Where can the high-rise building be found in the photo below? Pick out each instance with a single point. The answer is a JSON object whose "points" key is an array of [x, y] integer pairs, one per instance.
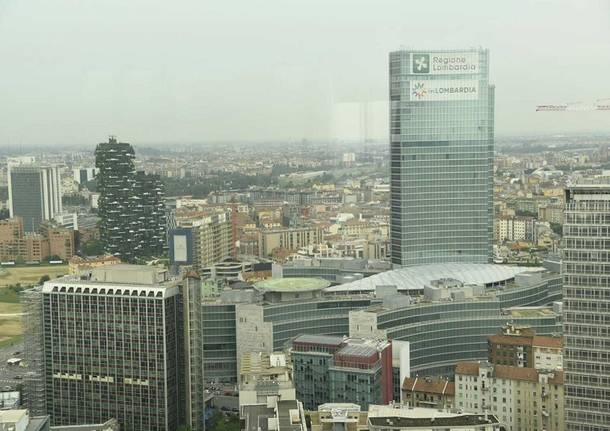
{"points": [[123, 342], [82, 175], [586, 281], [34, 194], [115, 182], [441, 148], [201, 239], [151, 215], [130, 206]]}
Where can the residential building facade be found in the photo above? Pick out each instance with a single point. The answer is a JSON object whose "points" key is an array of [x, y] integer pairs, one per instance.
{"points": [[521, 347], [201, 239], [290, 239], [523, 399], [436, 393]]}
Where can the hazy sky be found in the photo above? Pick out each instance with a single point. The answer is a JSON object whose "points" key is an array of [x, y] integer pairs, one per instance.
{"points": [[74, 71]]}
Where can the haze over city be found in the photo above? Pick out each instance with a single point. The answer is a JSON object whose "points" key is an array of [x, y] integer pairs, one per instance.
{"points": [[158, 72]]}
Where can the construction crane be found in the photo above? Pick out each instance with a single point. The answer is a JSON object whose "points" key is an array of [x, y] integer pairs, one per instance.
{"points": [[599, 105]]}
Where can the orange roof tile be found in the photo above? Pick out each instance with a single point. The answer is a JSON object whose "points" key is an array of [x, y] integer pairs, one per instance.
{"points": [[557, 379], [470, 368], [553, 342], [429, 386], [516, 373], [512, 340]]}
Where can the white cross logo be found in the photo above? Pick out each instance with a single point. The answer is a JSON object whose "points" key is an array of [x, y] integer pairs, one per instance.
{"points": [[421, 63]]}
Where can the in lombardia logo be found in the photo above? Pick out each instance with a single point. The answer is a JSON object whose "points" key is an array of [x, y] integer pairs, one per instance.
{"points": [[421, 63], [419, 90]]}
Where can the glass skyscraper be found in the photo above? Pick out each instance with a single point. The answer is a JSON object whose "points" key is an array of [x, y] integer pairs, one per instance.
{"points": [[34, 194], [441, 148], [586, 281]]}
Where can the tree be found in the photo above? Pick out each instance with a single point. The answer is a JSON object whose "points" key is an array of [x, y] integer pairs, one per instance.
{"points": [[557, 228], [44, 278], [93, 248]]}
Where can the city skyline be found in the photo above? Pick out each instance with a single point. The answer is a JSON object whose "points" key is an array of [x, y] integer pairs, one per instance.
{"points": [[186, 80]]}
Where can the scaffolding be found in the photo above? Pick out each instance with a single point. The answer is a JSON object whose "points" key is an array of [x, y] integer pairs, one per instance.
{"points": [[33, 381]]}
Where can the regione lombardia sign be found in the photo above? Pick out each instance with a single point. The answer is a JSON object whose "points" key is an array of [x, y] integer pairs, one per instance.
{"points": [[443, 90], [450, 63]]}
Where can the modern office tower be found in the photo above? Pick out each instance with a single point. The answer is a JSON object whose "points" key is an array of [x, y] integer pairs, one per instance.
{"points": [[441, 150], [340, 370], [244, 320], [82, 175], [115, 345], [201, 239], [586, 278], [115, 182], [150, 213], [34, 194]]}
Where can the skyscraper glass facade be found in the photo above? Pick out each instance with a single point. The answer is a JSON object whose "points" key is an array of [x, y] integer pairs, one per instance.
{"points": [[34, 194], [441, 148], [586, 279]]}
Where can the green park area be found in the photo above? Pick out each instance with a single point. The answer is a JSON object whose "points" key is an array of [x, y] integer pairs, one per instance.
{"points": [[12, 281]]}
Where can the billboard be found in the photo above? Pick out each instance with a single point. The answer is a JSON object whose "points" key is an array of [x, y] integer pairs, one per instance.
{"points": [[443, 90], [449, 63], [180, 246]]}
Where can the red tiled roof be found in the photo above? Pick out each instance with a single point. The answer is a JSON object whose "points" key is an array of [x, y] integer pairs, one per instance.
{"points": [[557, 378], [429, 386], [470, 368], [553, 342], [516, 373], [512, 340]]}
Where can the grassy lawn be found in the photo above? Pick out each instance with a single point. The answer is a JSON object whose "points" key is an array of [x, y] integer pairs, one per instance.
{"points": [[27, 275], [11, 340], [10, 327], [9, 308]]}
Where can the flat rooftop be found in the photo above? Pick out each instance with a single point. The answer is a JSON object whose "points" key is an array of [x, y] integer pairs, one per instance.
{"points": [[327, 340], [531, 311], [287, 285]]}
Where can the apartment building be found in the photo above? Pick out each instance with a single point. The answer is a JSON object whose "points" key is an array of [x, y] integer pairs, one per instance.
{"points": [[523, 399], [291, 239], [521, 347], [428, 392]]}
